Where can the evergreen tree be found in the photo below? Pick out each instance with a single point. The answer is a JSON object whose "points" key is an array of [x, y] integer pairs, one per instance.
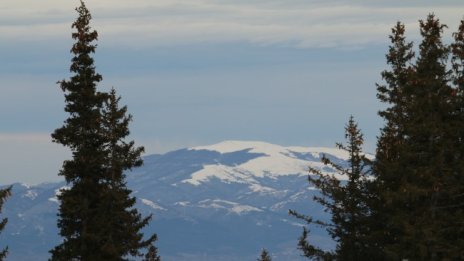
{"points": [[399, 57], [96, 216], [347, 203], [386, 168], [264, 256], [4, 194], [455, 230], [427, 152], [416, 155], [457, 59], [152, 254]]}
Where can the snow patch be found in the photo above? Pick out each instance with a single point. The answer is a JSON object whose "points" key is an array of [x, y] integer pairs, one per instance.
{"points": [[182, 203], [54, 200], [231, 207], [233, 146], [296, 224], [57, 193], [60, 190], [278, 161], [263, 190], [27, 186], [31, 194], [293, 198], [224, 173], [317, 152], [152, 204]]}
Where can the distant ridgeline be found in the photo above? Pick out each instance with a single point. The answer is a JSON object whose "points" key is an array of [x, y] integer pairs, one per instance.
{"points": [[225, 201]]}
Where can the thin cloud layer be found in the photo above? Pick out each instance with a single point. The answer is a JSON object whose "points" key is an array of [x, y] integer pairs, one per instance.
{"points": [[144, 23], [211, 76]]}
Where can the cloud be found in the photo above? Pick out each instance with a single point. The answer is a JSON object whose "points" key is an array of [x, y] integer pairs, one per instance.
{"points": [[211, 75], [145, 24]]}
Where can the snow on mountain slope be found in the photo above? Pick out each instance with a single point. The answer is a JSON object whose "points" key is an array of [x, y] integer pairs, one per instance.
{"points": [[232, 207], [219, 202], [151, 204], [269, 149], [277, 161]]}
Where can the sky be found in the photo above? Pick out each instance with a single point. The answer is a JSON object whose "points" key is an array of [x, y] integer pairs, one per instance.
{"points": [[197, 72]]}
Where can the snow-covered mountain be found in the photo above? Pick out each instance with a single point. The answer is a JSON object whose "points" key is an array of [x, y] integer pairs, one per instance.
{"points": [[225, 201]]}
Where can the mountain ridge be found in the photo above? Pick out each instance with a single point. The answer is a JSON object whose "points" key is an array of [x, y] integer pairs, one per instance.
{"points": [[222, 201]]}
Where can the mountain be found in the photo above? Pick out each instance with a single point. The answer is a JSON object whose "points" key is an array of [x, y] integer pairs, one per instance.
{"points": [[225, 201]]}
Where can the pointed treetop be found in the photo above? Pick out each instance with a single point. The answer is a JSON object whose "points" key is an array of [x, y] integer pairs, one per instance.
{"points": [[264, 256]]}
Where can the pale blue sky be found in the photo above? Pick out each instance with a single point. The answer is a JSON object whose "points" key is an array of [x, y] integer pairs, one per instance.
{"points": [[288, 72]]}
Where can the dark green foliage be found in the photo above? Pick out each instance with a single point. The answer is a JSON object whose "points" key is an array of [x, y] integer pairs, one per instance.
{"points": [[419, 156], [311, 251], [4, 194], [391, 140], [152, 254], [457, 195], [457, 49], [264, 256], [347, 203], [412, 209], [399, 58], [97, 218]]}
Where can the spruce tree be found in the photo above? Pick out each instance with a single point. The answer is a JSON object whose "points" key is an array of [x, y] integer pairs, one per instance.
{"points": [[457, 58], [427, 152], [152, 254], [97, 219], [416, 156], [346, 202], [456, 231], [264, 256], [4, 194], [384, 231]]}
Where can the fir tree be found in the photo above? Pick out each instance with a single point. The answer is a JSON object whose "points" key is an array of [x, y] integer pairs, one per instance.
{"points": [[4, 194], [152, 254], [347, 203], [399, 57], [264, 256], [96, 216], [457, 59], [455, 232], [427, 154], [416, 156], [392, 138]]}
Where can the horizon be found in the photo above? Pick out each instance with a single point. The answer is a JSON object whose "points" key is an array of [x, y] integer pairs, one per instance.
{"points": [[283, 72], [224, 147]]}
